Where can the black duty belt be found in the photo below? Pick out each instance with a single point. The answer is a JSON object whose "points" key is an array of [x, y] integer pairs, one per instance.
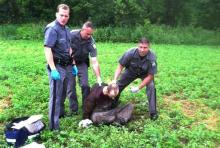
{"points": [[62, 62]]}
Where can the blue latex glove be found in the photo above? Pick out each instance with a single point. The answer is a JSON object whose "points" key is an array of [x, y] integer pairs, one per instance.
{"points": [[74, 70], [55, 75]]}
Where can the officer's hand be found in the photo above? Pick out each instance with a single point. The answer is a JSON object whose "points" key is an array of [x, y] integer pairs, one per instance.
{"points": [[99, 81], [85, 123], [55, 75], [134, 89], [74, 70]]}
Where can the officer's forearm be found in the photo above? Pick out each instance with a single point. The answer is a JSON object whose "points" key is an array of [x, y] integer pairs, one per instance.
{"points": [[71, 52], [96, 68], [118, 71], [49, 57], [146, 81], [74, 62]]}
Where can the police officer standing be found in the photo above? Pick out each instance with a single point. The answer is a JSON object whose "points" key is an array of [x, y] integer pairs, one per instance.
{"points": [[60, 64], [140, 63], [83, 46]]}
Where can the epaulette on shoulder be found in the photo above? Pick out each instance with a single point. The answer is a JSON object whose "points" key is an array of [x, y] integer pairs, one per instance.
{"points": [[152, 56], [75, 30], [132, 50], [51, 25]]}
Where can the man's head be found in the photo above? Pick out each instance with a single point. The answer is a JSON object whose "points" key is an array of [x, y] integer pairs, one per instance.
{"points": [[62, 14], [143, 47], [87, 30], [112, 90]]}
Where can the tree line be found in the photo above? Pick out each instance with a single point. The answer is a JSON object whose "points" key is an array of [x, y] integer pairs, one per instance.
{"points": [[105, 13]]}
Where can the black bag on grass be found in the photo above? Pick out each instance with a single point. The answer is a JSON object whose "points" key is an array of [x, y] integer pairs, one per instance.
{"points": [[17, 137]]}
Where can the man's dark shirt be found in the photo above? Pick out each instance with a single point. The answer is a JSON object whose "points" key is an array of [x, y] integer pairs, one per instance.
{"points": [[96, 101]]}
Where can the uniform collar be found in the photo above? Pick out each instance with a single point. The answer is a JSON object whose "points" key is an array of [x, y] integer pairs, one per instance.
{"points": [[78, 35], [61, 26]]}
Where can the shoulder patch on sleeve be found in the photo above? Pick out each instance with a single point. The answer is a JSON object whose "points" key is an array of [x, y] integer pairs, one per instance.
{"points": [[75, 30], [153, 64], [93, 45]]}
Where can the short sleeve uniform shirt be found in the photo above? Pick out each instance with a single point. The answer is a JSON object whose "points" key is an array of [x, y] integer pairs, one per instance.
{"points": [[82, 48], [138, 65], [58, 37]]}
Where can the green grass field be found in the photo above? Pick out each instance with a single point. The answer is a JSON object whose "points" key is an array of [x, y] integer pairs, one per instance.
{"points": [[188, 94]]}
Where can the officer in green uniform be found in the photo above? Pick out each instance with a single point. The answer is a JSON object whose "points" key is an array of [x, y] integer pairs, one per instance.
{"points": [[83, 46], [139, 62]]}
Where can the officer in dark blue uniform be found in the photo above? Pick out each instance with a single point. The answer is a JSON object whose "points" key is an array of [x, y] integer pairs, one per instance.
{"points": [[140, 63], [83, 46], [60, 67]]}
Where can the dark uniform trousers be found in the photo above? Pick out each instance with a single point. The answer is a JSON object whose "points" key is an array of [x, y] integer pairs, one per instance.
{"points": [[127, 77], [58, 92], [83, 81]]}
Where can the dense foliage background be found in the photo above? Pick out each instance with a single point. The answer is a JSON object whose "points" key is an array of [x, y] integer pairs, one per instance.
{"points": [[161, 34], [198, 13], [162, 21]]}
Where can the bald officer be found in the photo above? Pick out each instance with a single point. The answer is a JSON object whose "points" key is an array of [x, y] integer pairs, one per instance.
{"points": [[84, 47], [139, 62]]}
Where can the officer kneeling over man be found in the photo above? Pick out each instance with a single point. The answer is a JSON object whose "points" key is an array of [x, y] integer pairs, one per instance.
{"points": [[99, 107], [139, 62]]}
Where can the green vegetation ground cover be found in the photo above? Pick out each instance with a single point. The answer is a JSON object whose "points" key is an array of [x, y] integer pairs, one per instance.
{"points": [[188, 97]]}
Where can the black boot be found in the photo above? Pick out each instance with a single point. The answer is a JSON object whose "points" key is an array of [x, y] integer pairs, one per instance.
{"points": [[153, 116]]}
